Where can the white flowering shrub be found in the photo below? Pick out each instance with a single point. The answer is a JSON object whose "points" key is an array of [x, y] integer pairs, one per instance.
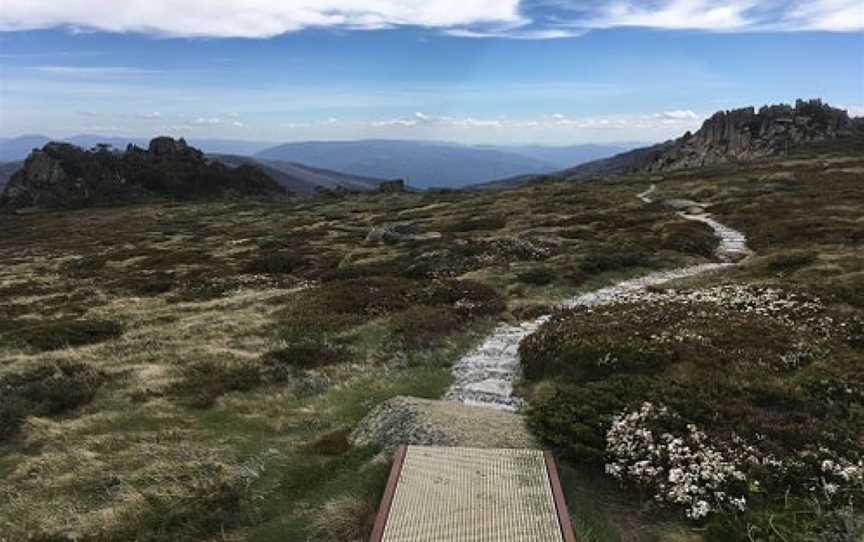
{"points": [[759, 387], [684, 470], [690, 471]]}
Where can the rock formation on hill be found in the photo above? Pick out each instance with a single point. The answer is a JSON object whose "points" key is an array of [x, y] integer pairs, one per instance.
{"points": [[745, 134], [61, 175], [731, 136]]}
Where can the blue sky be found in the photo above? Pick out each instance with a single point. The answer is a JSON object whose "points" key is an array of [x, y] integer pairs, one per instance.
{"points": [[476, 71]]}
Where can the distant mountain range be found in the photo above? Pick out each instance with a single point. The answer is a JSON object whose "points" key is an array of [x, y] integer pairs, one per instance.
{"points": [[424, 164], [434, 164]]}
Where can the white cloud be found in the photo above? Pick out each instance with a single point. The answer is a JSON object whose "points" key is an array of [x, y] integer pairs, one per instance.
{"points": [[206, 121], [679, 118], [675, 14], [514, 19], [726, 15], [250, 18], [94, 72], [680, 114]]}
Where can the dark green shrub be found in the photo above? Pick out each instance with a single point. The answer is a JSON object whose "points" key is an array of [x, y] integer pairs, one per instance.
{"points": [[333, 443], [468, 298], [538, 276], [688, 238], [203, 382], [275, 263], [723, 369], [305, 354], [423, 326], [47, 390], [146, 285], [369, 296], [85, 267], [602, 262], [57, 334], [477, 223], [198, 291], [785, 262]]}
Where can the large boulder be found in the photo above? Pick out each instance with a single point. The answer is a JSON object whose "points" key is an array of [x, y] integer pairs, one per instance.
{"points": [[409, 420]]}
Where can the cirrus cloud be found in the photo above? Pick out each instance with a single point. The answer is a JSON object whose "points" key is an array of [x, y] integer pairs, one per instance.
{"points": [[250, 18], [513, 19]]}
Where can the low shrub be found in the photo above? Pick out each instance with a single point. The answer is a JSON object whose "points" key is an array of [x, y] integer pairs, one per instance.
{"points": [[51, 389], [476, 223], [468, 298], [304, 354], [538, 276], [332, 443], [201, 383], [786, 261], [85, 266], [764, 377], [602, 262], [146, 285], [198, 291], [368, 296], [280, 262], [423, 326], [688, 237], [57, 334]]}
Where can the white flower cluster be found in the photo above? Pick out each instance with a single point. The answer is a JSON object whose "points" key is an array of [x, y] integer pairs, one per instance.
{"points": [[844, 470], [683, 470], [770, 302]]}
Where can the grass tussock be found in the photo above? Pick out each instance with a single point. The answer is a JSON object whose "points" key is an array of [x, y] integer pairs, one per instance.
{"points": [[50, 389], [63, 333], [201, 383]]}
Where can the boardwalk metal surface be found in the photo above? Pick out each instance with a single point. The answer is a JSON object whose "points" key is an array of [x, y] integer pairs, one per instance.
{"points": [[441, 494]]}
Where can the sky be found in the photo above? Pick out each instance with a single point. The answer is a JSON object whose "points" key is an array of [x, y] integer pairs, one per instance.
{"points": [[473, 71]]}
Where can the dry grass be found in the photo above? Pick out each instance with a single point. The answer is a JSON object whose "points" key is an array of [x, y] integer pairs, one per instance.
{"points": [[238, 341], [245, 338]]}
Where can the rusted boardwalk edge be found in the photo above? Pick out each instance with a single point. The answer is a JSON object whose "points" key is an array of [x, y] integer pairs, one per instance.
{"points": [[389, 493], [564, 522], [567, 533]]}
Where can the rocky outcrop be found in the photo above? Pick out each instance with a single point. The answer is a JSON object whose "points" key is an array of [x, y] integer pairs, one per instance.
{"points": [[731, 136], [61, 175], [745, 134]]}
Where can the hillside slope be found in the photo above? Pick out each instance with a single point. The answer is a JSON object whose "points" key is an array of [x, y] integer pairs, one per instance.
{"points": [[302, 179]]}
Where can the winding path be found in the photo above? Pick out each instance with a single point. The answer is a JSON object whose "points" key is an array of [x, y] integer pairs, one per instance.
{"points": [[485, 376]]}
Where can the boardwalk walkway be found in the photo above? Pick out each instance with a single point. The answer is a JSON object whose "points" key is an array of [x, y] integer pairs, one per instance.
{"points": [[441, 494]]}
